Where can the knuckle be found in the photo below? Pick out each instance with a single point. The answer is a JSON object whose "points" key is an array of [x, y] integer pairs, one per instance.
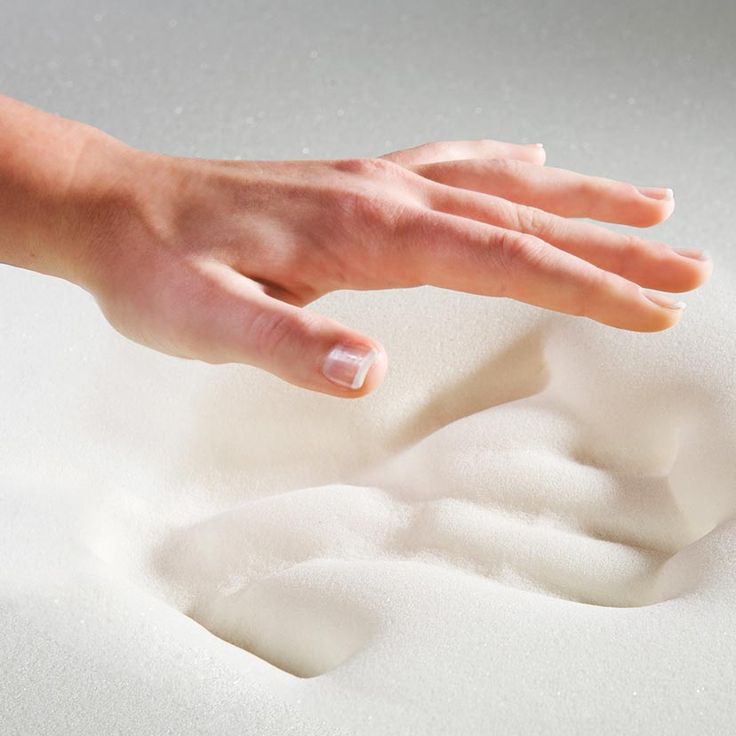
{"points": [[268, 331], [516, 252], [367, 207], [628, 252], [382, 166], [588, 188], [597, 287], [351, 165], [626, 190], [368, 166], [533, 220], [375, 229], [593, 188], [632, 251], [380, 194]]}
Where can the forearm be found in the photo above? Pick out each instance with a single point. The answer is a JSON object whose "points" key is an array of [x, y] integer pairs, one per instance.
{"points": [[54, 175]]}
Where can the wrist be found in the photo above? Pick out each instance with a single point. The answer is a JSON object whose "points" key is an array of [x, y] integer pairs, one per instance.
{"points": [[86, 219], [62, 183]]}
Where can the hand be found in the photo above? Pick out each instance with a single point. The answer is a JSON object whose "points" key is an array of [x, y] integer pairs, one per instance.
{"points": [[214, 260]]}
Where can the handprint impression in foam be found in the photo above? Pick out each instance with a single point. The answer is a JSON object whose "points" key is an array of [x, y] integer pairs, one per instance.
{"points": [[571, 492]]}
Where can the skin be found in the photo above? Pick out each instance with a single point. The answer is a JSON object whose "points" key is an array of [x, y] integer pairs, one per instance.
{"points": [[216, 260]]}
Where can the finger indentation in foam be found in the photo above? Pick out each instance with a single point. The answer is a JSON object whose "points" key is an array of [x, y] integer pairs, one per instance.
{"points": [[563, 493]]}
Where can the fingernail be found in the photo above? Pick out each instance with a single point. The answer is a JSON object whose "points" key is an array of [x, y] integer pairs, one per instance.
{"points": [[656, 193], [536, 145], [348, 365], [663, 301], [698, 255]]}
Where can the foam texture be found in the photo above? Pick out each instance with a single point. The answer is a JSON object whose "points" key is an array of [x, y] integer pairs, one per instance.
{"points": [[529, 528]]}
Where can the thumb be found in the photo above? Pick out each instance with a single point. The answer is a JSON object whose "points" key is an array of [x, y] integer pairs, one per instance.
{"points": [[299, 346]]}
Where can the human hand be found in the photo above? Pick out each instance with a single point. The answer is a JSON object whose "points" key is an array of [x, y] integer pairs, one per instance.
{"points": [[215, 260]]}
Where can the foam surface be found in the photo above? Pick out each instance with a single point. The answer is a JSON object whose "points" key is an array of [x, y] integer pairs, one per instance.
{"points": [[530, 527]]}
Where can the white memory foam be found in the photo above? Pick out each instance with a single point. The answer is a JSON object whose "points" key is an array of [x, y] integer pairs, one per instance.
{"points": [[541, 531], [528, 529]]}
